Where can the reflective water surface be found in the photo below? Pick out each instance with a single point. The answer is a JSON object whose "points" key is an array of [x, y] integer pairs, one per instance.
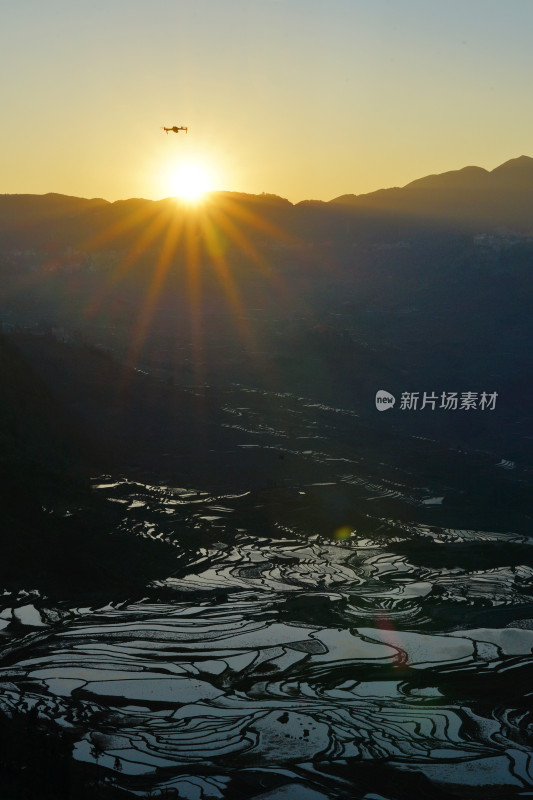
{"points": [[346, 630]]}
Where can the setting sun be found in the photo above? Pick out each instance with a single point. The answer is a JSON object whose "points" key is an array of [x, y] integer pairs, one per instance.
{"points": [[191, 181]]}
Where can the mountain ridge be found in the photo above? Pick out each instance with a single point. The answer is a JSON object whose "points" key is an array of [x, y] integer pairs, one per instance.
{"points": [[469, 200], [467, 197], [507, 168], [447, 178]]}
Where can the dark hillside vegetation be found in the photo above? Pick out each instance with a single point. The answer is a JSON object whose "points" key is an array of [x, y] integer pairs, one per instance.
{"points": [[58, 536]]}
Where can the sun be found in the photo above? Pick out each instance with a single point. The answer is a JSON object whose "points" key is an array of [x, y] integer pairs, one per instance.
{"points": [[191, 181]]}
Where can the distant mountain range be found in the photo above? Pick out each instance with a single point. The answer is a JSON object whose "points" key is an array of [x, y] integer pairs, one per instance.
{"points": [[106, 346], [468, 200], [471, 195]]}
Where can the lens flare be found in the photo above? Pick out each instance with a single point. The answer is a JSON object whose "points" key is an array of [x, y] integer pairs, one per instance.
{"points": [[344, 532]]}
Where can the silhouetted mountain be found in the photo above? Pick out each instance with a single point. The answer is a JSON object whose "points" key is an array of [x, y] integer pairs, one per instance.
{"points": [[468, 197], [421, 282], [376, 287]]}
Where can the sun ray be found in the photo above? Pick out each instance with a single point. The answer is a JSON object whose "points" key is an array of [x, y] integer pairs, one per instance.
{"points": [[192, 241], [164, 261], [245, 246], [228, 219], [136, 251], [235, 209], [192, 264], [210, 236], [136, 217]]}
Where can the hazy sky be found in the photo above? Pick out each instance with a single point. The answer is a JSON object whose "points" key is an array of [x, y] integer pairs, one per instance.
{"points": [[301, 98]]}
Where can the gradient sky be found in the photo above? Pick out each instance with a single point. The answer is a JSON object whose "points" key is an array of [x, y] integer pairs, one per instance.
{"points": [[307, 99]]}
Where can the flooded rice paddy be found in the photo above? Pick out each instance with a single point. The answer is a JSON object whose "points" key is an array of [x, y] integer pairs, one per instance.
{"points": [[358, 625]]}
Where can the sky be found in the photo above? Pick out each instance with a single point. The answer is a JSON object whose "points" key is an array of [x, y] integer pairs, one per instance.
{"points": [[306, 99]]}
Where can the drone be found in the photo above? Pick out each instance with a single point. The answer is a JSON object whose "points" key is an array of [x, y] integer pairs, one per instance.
{"points": [[175, 129]]}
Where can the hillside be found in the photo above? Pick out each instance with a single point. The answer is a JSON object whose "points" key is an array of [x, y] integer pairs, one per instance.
{"points": [[470, 197]]}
